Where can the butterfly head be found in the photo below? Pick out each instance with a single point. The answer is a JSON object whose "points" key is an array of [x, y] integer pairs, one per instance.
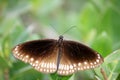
{"points": [[61, 37]]}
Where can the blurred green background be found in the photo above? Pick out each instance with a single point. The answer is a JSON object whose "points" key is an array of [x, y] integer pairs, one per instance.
{"points": [[97, 25]]}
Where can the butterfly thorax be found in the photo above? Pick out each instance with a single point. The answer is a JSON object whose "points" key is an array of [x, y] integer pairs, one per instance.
{"points": [[60, 41]]}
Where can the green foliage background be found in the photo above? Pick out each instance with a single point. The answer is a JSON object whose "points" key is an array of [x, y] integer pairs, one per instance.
{"points": [[97, 25]]}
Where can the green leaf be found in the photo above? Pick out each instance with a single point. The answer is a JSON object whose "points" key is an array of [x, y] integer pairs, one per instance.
{"points": [[102, 44], [4, 63], [28, 75], [87, 20], [115, 17], [20, 34], [118, 78], [21, 71], [112, 62], [113, 57], [98, 74], [117, 69], [6, 46], [55, 76], [85, 75]]}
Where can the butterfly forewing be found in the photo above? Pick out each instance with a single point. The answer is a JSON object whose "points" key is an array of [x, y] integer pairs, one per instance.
{"points": [[41, 54], [77, 56]]}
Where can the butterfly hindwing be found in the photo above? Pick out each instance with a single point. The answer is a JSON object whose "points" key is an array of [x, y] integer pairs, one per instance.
{"points": [[77, 56], [65, 65], [41, 54]]}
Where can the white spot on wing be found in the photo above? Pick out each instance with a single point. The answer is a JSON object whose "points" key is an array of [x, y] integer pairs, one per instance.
{"points": [[85, 62]]}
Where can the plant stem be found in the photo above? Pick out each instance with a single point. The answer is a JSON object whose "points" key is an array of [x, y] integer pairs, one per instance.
{"points": [[104, 74], [6, 74]]}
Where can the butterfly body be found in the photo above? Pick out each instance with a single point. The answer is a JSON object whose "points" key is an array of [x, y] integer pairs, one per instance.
{"points": [[61, 56]]}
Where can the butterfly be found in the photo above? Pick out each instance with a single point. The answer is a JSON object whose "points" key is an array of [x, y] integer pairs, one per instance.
{"points": [[64, 57]]}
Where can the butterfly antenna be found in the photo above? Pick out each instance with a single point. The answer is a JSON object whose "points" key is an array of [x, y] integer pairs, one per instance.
{"points": [[54, 28], [68, 30], [63, 32]]}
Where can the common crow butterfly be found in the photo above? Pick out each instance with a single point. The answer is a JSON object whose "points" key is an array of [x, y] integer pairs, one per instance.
{"points": [[61, 56]]}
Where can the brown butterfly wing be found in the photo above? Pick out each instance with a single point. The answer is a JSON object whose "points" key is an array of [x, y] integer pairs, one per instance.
{"points": [[76, 56], [41, 54]]}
